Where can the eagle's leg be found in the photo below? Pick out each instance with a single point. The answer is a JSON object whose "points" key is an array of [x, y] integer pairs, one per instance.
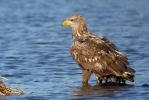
{"points": [[98, 78], [86, 74]]}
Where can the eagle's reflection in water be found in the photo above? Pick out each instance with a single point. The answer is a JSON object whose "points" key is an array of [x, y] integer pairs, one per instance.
{"points": [[104, 90]]}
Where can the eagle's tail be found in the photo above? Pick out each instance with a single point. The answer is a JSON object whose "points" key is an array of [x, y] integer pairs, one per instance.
{"points": [[131, 70], [129, 76]]}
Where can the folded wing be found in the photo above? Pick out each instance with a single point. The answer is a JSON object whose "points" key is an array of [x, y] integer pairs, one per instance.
{"points": [[99, 55]]}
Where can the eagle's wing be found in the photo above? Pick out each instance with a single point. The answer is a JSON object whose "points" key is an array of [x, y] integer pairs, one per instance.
{"points": [[119, 53], [99, 55]]}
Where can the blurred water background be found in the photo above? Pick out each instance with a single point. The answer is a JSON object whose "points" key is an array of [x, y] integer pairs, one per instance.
{"points": [[34, 48]]}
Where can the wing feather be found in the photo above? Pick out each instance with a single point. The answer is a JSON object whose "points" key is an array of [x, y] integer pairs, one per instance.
{"points": [[99, 55]]}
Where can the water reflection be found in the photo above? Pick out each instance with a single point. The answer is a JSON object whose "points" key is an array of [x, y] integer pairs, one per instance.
{"points": [[100, 90]]}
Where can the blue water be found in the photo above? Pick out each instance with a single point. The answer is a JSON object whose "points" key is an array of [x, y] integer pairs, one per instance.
{"points": [[34, 48]]}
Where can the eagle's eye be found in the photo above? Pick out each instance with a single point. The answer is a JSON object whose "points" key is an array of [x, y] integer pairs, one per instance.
{"points": [[71, 19]]}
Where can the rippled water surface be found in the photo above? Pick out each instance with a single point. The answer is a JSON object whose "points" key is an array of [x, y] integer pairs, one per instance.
{"points": [[34, 48]]}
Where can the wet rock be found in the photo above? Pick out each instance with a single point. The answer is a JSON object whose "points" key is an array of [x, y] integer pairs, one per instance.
{"points": [[5, 90]]}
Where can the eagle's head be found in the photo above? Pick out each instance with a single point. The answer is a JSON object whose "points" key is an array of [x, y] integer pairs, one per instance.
{"points": [[75, 21]]}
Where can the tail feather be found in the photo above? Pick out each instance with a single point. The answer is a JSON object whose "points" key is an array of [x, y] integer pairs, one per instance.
{"points": [[129, 76], [131, 70]]}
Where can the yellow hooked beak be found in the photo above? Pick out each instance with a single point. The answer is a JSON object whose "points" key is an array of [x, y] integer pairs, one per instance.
{"points": [[66, 23]]}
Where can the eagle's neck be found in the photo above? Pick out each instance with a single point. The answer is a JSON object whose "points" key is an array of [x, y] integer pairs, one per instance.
{"points": [[80, 31]]}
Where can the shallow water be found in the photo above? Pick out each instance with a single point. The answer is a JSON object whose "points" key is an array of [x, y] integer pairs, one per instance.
{"points": [[34, 48]]}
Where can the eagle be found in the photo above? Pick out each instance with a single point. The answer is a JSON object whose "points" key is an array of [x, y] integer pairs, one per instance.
{"points": [[96, 54]]}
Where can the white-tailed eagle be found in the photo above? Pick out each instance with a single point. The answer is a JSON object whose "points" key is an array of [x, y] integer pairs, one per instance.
{"points": [[96, 54]]}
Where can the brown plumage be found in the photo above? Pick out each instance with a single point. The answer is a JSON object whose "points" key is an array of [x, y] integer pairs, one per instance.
{"points": [[96, 54]]}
